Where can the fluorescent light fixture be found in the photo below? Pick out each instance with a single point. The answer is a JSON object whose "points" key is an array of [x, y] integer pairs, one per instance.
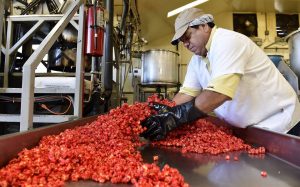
{"points": [[190, 5]]}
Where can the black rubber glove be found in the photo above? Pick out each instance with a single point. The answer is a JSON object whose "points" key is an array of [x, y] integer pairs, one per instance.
{"points": [[160, 108], [159, 125]]}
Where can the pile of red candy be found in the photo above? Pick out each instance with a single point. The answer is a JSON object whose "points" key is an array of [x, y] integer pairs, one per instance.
{"points": [[202, 136], [105, 150]]}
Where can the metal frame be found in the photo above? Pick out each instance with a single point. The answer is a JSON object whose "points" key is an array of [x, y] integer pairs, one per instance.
{"points": [[9, 34], [33, 61], [79, 65], [26, 118], [38, 118], [1, 24]]}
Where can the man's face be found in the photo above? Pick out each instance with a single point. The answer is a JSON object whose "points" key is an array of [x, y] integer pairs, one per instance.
{"points": [[195, 39]]}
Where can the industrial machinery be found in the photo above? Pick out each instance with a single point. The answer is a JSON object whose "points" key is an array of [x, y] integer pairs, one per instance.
{"points": [[57, 60], [31, 34]]}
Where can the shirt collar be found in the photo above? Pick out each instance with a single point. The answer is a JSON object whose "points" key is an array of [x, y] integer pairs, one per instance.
{"points": [[210, 38]]}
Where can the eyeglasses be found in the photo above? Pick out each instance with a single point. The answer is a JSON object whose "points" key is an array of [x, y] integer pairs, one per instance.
{"points": [[186, 36]]}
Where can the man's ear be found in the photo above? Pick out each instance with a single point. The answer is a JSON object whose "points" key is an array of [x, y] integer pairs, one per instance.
{"points": [[206, 28]]}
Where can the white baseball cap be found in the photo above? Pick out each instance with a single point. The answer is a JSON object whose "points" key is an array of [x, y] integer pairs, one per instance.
{"points": [[183, 21]]}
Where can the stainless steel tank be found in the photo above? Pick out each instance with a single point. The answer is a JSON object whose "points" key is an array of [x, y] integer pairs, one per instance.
{"points": [[159, 67], [294, 47]]}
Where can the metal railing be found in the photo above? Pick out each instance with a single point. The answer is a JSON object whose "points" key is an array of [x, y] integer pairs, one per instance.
{"points": [[26, 117], [26, 120]]}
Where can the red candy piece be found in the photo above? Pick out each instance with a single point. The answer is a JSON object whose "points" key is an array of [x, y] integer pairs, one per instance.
{"points": [[263, 173]]}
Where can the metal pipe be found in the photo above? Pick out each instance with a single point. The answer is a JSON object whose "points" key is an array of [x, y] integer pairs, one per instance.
{"points": [[129, 45], [108, 61], [93, 77], [95, 24], [7, 63], [124, 16], [1, 24]]}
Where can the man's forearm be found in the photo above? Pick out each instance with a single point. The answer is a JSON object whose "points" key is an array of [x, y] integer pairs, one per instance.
{"points": [[208, 100], [181, 98]]}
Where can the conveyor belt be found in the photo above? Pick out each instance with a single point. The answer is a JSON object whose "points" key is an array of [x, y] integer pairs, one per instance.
{"points": [[281, 163]]}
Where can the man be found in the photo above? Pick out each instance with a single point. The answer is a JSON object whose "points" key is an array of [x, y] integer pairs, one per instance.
{"points": [[228, 74]]}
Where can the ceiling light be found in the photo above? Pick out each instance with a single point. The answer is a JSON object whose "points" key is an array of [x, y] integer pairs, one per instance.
{"points": [[190, 5]]}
